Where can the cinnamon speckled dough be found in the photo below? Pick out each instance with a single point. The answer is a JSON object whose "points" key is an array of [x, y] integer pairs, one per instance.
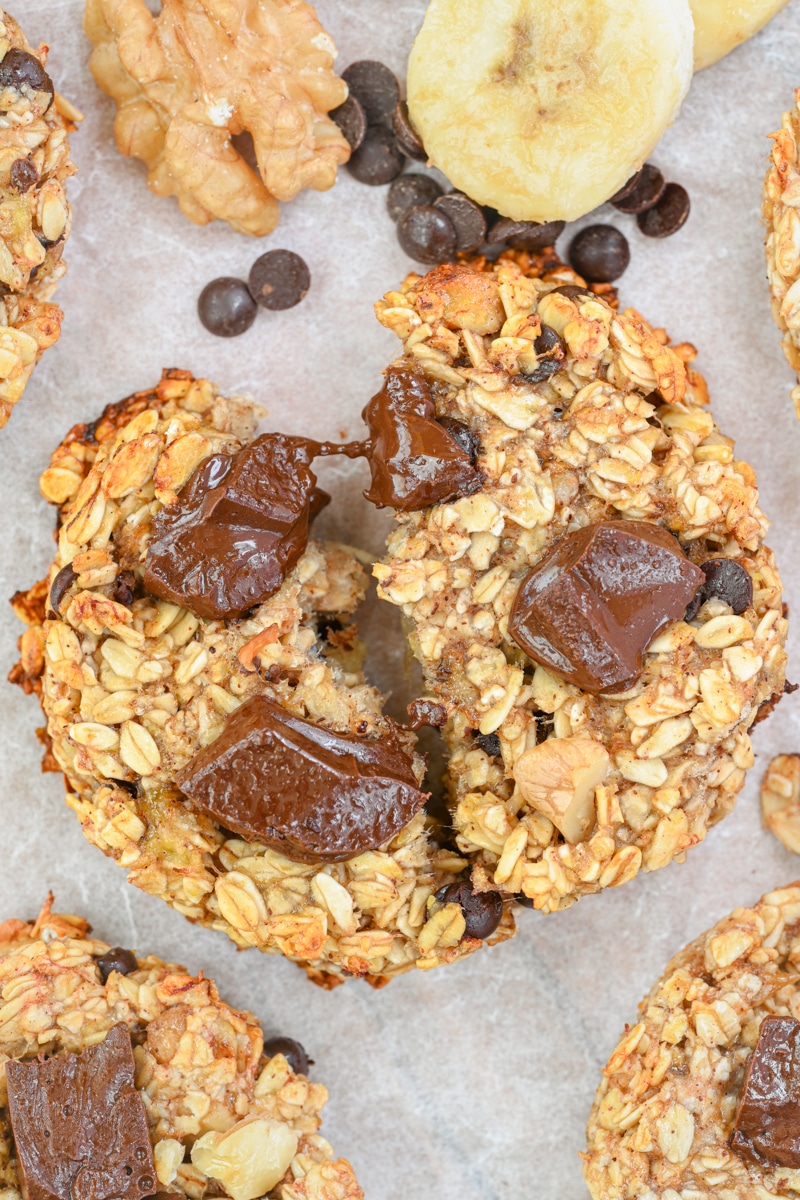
{"points": [[134, 687], [664, 1112], [560, 793], [200, 1065]]}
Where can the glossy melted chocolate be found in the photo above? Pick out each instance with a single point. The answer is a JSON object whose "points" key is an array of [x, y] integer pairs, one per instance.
{"points": [[767, 1125], [591, 608], [314, 795], [79, 1124]]}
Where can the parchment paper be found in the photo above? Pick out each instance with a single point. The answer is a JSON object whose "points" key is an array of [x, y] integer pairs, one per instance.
{"points": [[474, 1082]]}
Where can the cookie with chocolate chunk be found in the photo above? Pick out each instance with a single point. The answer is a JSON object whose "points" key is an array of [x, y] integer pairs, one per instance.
{"points": [[702, 1094], [194, 650], [601, 606], [151, 1083]]}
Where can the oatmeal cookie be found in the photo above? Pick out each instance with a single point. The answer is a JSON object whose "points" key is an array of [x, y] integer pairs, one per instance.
{"points": [[781, 192], [581, 750], [182, 735], [35, 217], [678, 1113], [221, 1111]]}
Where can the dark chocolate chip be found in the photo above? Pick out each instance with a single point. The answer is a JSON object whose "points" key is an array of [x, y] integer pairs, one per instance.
{"points": [[376, 89], [226, 308], [483, 911], [573, 291], [377, 160], [767, 1123], [626, 188], [461, 432], [19, 69], [352, 120], [524, 901], [648, 188], [427, 234], [61, 585], [408, 139], [291, 1050], [467, 219], [669, 215], [124, 588], [425, 713], [551, 354], [504, 228], [726, 579], [537, 237], [408, 191], [116, 959], [600, 253], [23, 174], [279, 279], [489, 744]]}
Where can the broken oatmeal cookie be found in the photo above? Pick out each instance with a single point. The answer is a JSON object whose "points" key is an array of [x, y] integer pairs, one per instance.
{"points": [[191, 80], [148, 1076], [202, 680], [599, 616]]}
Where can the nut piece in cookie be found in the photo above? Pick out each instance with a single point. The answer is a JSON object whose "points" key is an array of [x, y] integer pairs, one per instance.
{"points": [[261, 71]]}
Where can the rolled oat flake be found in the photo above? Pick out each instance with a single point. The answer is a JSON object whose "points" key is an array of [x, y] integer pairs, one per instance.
{"points": [[279, 279]]}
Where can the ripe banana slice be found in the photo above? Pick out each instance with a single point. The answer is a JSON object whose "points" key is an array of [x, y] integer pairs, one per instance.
{"points": [[722, 25], [541, 109]]}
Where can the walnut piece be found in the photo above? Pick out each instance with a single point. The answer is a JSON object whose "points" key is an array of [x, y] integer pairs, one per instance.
{"points": [[558, 777], [780, 800], [190, 80]]}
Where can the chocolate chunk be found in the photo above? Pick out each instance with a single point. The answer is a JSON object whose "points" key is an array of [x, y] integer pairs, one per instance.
{"points": [[551, 354], [279, 279], [767, 1124], [427, 234], [314, 795], [669, 215], [226, 308], [726, 579], [483, 911], [61, 585], [642, 191], [116, 959], [19, 69], [23, 174], [124, 588], [600, 253], [425, 713], [291, 1050], [407, 137], [352, 120], [489, 744], [467, 440], [237, 529], [592, 606], [376, 89], [466, 218], [408, 191], [79, 1124], [413, 459], [377, 160]]}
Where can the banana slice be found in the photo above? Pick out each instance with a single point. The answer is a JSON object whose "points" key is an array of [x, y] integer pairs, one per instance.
{"points": [[722, 25], [542, 109]]}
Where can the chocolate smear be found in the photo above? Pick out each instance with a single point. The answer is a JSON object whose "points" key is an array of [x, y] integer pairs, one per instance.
{"points": [[592, 606], [767, 1124], [79, 1124], [310, 793], [415, 461]]}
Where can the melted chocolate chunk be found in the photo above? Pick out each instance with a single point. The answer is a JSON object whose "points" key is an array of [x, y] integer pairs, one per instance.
{"points": [[23, 174], [314, 795], [590, 609], [415, 461], [291, 1050], [551, 353], [116, 959], [767, 1124], [124, 588], [467, 440], [79, 1124], [729, 581], [483, 911], [425, 713], [239, 526]]}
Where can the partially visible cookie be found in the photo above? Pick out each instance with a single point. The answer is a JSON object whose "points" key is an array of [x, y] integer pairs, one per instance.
{"points": [[150, 1080], [781, 192], [780, 800]]}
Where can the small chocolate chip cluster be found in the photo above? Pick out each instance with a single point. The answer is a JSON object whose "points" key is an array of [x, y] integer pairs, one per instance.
{"points": [[278, 279]]}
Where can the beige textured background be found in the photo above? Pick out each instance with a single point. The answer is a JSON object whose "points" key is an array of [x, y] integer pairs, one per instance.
{"points": [[471, 1083]]}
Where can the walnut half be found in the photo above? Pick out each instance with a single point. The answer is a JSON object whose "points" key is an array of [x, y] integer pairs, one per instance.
{"points": [[558, 778]]}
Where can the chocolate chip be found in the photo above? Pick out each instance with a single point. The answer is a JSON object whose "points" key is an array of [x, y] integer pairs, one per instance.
{"points": [[592, 606], [124, 588], [642, 191], [573, 291], [467, 219], [767, 1123], [669, 215], [425, 714], [23, 174], [600, 253], [427, 234], [461, 432], [376, 89], [489, 744], [61, 585], [483, 911], [79, 1124], [352, 120], [551, 354], [408, 191], [726, 579], [310, 793], [116, 959], [524, 901], [226, 307], [279, 279], [408, 139], [626, 188], [291, 1050], [377, 160], [19, 69], [537, 237]]}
